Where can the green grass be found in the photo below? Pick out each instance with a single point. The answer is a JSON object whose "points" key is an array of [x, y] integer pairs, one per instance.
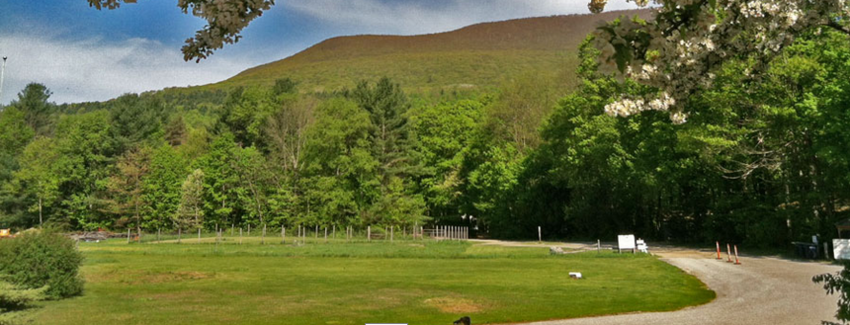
{"points": [[354, 283]]}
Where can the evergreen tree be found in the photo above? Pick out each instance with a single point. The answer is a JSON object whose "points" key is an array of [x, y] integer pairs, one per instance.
{"points": [[221, 181]]}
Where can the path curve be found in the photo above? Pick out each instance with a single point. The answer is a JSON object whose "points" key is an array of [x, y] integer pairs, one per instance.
{"points": [[763, 290]]}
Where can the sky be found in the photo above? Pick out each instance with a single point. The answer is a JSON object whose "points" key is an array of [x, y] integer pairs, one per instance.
{"points": [[82, 54]]}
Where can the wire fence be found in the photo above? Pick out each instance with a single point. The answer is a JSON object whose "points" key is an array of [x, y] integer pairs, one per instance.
{"points": [[288, 235]]}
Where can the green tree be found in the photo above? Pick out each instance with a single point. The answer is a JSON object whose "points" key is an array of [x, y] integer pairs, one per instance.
{"points": [[161, 186], [86, 156], [221, 180], [245, 112], [342, 177], [190, 214], [136, 120], [38, 176], [445, 133], [393, 146], [387, 106], [33, 101], [255, 180], [127, 185], [15, 132]]}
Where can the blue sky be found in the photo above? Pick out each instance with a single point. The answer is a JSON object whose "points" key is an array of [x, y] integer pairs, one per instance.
{"points": [[82, 54]]}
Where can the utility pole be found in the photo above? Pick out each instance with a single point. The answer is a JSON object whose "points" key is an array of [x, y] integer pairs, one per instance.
{"points": [[2, 74]]}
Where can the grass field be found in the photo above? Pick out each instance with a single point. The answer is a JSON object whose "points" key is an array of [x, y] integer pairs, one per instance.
{"points": [[338, 283]]}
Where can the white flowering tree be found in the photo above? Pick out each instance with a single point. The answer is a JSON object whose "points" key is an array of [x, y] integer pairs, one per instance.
{"points": [[225, 20], [679, 50]]}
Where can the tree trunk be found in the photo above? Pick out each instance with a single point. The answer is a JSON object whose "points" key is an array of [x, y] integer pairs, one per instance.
{"points": [[40, 217], [138, 223]]}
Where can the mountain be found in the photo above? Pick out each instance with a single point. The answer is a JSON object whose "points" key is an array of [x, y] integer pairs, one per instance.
{"points": [[477, 56]]}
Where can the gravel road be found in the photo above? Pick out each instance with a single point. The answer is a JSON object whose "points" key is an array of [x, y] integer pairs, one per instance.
{"points": [[763, 290]]}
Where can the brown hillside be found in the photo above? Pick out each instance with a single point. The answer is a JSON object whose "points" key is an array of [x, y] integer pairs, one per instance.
{"points": [[477, 55]]}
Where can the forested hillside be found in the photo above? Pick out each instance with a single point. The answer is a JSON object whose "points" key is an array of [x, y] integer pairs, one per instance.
{"points": [[760, 163], [480, 56]]}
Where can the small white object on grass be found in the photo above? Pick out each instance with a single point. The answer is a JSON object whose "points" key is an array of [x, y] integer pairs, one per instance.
{"points": [[575, 275], [641, 246]]}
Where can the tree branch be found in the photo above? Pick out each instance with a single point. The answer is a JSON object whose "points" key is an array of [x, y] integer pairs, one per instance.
{"points": [[836, 26]]}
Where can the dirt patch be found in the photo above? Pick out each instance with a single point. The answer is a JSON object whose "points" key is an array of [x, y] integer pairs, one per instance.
{"points": [[176, 276], [451, 305], [139, 277], [174, 296]]}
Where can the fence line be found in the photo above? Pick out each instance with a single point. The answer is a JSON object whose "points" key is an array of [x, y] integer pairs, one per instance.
{"points": [[301, 234]]}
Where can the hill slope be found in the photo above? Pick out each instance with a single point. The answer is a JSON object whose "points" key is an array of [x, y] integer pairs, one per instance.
{"points": [[478, 56]]}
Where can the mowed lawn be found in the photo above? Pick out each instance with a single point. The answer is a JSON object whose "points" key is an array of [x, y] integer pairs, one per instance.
{"points": [[339, 283]]}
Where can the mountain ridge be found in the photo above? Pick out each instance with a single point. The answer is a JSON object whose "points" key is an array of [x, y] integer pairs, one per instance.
{"points": [[480, 55]]}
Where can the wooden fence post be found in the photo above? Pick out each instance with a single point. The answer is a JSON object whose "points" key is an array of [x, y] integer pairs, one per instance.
{"points": [[240, 235], [282, 234], [326, 234], [369, 233], [199, 235], [539, 234], [392, 229], [316, 233], [179, 233], [263, 238], [128, 235]]}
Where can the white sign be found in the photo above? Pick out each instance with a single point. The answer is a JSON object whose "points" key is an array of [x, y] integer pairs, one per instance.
{"points": [[841, 249], [626, 242]]}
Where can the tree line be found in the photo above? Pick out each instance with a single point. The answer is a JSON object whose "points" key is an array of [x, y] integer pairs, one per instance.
{"points": [[761, 162]]}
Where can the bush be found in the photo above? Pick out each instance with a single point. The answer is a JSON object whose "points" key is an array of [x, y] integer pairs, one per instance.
{"points": [[14, 298], [42, 258]]}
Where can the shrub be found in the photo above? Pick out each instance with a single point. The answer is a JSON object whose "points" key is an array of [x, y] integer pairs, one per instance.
{"points": [[14, 298], [42, 258]]}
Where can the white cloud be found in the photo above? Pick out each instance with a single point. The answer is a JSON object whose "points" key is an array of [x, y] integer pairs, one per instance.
{"points": [[417, 17], [94, 70]]}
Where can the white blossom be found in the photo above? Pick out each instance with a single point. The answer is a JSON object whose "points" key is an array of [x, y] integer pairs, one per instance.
{"points": [[686, 48]]}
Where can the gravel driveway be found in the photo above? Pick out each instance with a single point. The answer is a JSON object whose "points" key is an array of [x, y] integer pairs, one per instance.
{"points": [[763, 290]]}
